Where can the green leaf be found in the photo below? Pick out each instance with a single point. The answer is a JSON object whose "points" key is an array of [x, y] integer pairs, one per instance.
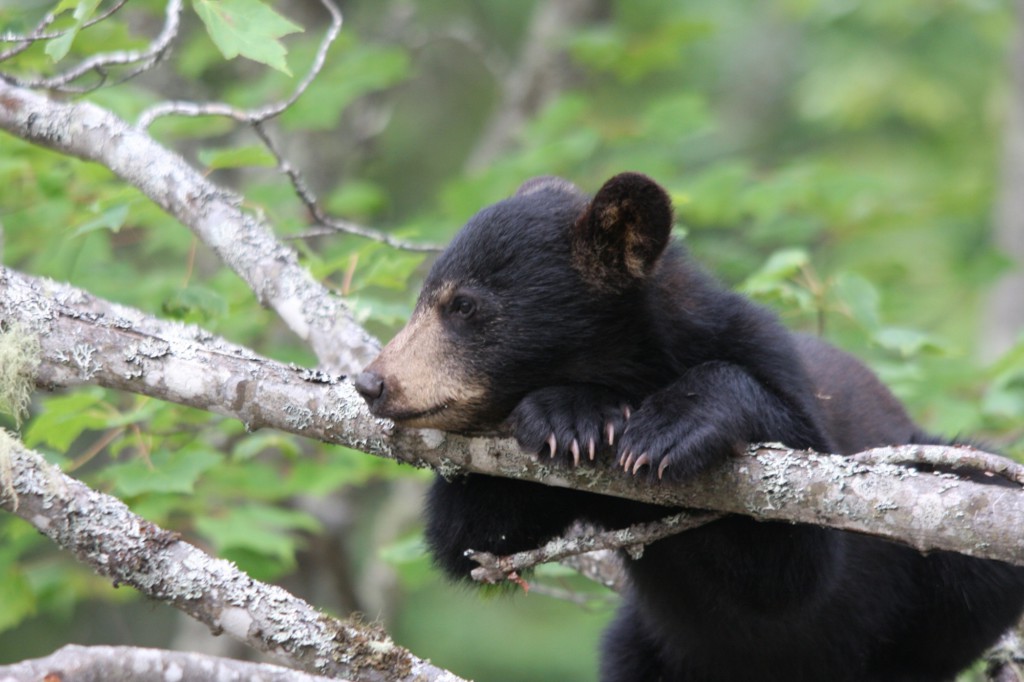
{"points": [[237, 157], [165, 472], [64, 418], [781, 266], [408, 556], [196, 305], [58, 48], [259, 565], [356, 198], [1011, 363], [17, 598], [1004, 402], [341, 467], [249, 447], [861, 297], [247, 28], [390, 269], [907, 342], [635, 55], [112, 219], [355, 72], [404, 550], [260, 529]]}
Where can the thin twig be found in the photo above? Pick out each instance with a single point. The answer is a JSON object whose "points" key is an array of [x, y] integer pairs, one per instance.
{"points": [[603, 566], [333, 225], [99, 63], [958, 457], [96, 448], [261, 114], [50, 17], [25, 42], [494, 569]]}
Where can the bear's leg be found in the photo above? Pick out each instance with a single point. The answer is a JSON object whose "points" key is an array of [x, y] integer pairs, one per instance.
{"points": [[497, 515], [628, 653], [709, 414]]}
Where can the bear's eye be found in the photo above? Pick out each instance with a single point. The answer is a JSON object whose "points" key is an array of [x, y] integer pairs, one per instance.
{"points": [[463, 306]]}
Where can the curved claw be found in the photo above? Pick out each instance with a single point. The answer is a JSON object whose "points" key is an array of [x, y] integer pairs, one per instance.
{"points": [[575, 449], [552, 444], [662, 467], [591, 449], [628, 463], [641, 461], [609, 430], [627, 412]]}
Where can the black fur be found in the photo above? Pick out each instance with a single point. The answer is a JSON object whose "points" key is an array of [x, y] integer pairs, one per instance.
{"points": [[581, 319]]}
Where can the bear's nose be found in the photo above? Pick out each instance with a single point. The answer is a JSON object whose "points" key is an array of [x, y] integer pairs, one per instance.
{"points": [[370, 385]]}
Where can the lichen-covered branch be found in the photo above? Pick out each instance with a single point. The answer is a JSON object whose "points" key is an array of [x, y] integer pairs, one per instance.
{"points": [[88, 663], [1006, 659], [495, 569], [241, 239], [104, 534], [960, 460], [85, 340]]}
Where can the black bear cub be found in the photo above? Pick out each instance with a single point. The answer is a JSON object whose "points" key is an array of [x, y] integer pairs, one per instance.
{"points": [[575, 323]]}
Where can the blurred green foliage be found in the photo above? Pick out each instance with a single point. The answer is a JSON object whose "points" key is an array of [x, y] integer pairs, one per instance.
{"points": [[832, 158]]}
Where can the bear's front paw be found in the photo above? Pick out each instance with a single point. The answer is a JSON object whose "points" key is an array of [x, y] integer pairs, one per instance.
{"points": [[676, 439], [571, 422]]}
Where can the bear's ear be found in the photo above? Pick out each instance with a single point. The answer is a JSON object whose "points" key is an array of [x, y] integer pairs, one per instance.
{"points": [[623, 231]]}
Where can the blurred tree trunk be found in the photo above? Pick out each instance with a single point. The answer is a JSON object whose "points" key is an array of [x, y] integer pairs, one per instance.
{"points": [[1004, 316], [542, 71]]}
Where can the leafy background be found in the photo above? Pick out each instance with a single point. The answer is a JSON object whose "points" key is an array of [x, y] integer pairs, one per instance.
{"points": [[837, 160]]}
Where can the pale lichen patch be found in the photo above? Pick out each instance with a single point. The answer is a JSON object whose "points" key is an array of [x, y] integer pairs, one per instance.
{"points": [[19, 359], [298, 417], [184, 383], [236, 622], [432, 438], [7, 445]]}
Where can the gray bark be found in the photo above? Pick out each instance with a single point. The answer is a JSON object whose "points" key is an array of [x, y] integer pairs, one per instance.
{"points": [[105, 535], [242, 240], [73, 663], [85, 340]]}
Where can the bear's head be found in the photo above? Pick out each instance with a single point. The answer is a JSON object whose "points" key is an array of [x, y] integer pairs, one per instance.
{"points": [[540, 289]]}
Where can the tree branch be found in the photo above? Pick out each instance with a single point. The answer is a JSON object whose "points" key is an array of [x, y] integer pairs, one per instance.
{"points": [[104, 534], [258, 117], [143, 60], [85, 340], [260, 114], [40, 33], [1006, 659], [495, 569], [82, 663], [242, 240]]}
